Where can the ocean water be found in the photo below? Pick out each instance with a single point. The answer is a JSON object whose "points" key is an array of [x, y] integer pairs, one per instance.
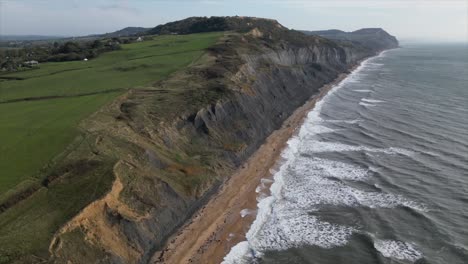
{"points": [[378, 173]]}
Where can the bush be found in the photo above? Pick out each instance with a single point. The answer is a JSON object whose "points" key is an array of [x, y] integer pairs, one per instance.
{"points": [[66, 57]]}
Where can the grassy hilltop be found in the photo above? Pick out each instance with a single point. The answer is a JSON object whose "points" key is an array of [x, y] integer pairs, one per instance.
{"points": [[41, 109]]}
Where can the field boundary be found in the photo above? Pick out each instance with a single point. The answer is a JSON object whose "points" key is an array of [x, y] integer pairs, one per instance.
{"points": [[60, 96]]}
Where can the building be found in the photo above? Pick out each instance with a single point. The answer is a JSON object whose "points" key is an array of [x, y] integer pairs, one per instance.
{"points": [[31, 63]]}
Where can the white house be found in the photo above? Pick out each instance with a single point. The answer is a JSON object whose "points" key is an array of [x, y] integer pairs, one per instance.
{"points": [[31, 63], [139, 39]]}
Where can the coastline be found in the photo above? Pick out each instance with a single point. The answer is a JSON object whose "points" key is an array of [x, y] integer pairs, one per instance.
{"points": [[218, 226]]}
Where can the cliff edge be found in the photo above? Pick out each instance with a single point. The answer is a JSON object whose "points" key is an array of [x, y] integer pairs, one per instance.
{"points": [[170, 145]]}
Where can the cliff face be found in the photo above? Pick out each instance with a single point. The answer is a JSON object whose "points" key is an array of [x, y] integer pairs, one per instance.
{"points": [[375, 39], [167, 165]]}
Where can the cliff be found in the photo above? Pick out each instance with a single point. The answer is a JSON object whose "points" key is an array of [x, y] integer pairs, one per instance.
{"points": [[375, 39], [170, 145]]}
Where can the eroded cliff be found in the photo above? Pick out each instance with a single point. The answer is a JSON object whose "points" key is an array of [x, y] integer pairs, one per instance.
{"points": [[173, 143]]}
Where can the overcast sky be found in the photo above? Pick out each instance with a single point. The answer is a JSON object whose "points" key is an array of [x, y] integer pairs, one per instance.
{"points": [[436, 20]]}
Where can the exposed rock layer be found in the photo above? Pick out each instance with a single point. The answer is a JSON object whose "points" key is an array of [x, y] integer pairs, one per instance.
{"points": [[167, 166]]}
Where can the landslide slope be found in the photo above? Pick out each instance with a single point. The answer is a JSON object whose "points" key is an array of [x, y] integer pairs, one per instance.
{"points": [[168, 147]]}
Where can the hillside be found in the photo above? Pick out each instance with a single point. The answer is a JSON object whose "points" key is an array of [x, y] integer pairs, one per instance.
{"points": [[371, 38], [124, 32], [41, 112], [198, 106], [208, 24]]}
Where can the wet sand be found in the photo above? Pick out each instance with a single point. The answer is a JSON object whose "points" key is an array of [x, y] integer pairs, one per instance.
{"points": [[218, 226]]}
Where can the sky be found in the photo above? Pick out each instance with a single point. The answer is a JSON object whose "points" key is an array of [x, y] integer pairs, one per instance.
{"points": [[426, 20]]}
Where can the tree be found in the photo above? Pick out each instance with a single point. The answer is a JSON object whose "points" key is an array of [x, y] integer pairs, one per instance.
{"points": [[97, 44], [70, 47]]}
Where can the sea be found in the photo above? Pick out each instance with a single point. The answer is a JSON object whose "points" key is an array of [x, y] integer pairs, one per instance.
{"points": [[377, 173]]}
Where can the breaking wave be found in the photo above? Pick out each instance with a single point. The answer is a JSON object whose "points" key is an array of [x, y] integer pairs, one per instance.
{"points": [[305, 182]]}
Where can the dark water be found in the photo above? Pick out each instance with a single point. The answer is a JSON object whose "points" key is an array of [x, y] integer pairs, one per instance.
{"points": [[379, 171]]}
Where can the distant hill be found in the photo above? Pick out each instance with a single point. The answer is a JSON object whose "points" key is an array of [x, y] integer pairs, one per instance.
{"points": [[125, 32], [269, 30], [209, 24], [27, 37], [373, 38]]}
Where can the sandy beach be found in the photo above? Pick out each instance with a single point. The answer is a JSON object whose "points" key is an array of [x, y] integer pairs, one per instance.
{"points": [[219, 225]]}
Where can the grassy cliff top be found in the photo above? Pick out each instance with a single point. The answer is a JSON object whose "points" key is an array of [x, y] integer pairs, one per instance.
{"points": [[39, 125]]}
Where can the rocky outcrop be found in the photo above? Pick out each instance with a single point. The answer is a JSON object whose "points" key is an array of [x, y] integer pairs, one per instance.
{"points": [[168, 165]]}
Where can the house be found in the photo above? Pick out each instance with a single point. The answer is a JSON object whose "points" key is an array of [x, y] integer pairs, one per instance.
{"points": [[31, 63], [139, 39]]}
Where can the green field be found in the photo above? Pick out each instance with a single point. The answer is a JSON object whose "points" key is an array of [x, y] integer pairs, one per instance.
{"points": [[36, 131], [33, 132]]}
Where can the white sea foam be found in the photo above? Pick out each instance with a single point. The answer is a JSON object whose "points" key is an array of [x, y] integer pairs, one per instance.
{"points": [[366, 104], [230, 236], [372, 101], [272, 171], [260, 187], [287, 227], [340, 170], [261, 196], [318, 129], [264, 183], [401, 151], [354, 121], [266, 180], [374, 65], [308, 184], [397, 250], [246, 212], [362, 91], [302, 184], [316, 146], [239, 254]]}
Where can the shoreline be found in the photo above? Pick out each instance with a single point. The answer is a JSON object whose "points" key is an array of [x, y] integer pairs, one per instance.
{"points": [[218, 226]]}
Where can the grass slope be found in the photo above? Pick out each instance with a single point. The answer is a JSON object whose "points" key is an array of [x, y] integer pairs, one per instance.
{"points": [[34, 132]]}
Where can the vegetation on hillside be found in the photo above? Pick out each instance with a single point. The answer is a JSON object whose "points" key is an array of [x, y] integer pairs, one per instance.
{"points": [[42, 109], [268, 30], [155, 139], [16, 58], [209, 24], [375, 39]]}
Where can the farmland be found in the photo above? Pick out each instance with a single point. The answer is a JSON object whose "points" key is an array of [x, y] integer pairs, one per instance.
{"points": [[60, 94], [40, 112]]}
